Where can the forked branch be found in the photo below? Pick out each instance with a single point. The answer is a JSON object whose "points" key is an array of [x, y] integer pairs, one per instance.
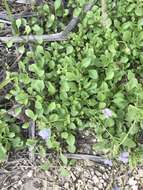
{"points": [[51, 37]]}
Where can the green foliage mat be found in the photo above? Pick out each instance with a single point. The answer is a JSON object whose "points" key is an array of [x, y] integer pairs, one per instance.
{"points": [[91, 81]]}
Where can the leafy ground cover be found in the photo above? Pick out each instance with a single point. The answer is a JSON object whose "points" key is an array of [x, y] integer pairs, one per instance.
{"points": [[92, 81]]}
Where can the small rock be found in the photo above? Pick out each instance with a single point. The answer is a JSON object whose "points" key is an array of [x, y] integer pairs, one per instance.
{"points": [[102, 181], [92, 172], [95, 188], [140, 173], [100, 186], [30, 173], [105, 176], [73, 176], [97, 173], [134, 187], [132, 182], [20, 183], [66, 185], [95, 179], [86, 174]]}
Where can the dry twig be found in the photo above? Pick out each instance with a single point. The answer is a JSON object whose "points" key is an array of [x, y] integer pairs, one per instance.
{"points": [[31, 135], [52, 37]]}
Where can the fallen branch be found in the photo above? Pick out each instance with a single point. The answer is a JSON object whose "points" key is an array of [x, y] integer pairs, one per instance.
{"points": [[94, 158], [32, 38], [98, 159], [27, 2], [5, 21], [51, 37], [32, 136]]}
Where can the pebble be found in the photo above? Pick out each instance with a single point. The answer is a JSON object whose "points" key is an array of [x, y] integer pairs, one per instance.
{"points": [[73, 176], [100, 186], [66, 185], [132, 182], [95, 188], [86, 174], [20, 183], [140, 173], [105, 176], [92, 172], [30, 173], [135, 187], [95, 179], [102, 181], [98, 173]]}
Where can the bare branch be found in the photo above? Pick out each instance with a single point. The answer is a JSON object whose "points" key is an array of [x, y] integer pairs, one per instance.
{"points": [[31, 135], [51, 37], [33, 38], [94, 158]]}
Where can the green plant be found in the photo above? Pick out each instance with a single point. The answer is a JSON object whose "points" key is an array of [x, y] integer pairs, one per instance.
{"points": [[68, 86]]}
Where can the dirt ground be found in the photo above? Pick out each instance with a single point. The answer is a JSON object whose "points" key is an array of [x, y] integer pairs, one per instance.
{"points": [[20, 173]]}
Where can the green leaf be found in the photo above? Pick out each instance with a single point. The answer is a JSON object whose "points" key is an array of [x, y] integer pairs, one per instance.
{"points": [[18, 22], [64, 135], [86, 62], [119, 100], [40, 49], [30, 114], [129, 143], [131, 7], [21, 49], [27, 29], [31, 142], [70, 140], [57, 4], [38, 85], [38, 105], [139, 11], [63, 159], [11, 135], [102, 146], [127, 35], [36, 28], [51, 89], [22, 98], [34, 68], [71, 148], [72, 126], [25, 125], [71, 76], [109, 74], [77, 12], [2, 153], [9, 43], [65, 86], [69, 49], [17, 143], [82, 2], [134, 113], [93, 74], [46, 8], [51, 106], [53, 117], [124, 59], [140, 22]]}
